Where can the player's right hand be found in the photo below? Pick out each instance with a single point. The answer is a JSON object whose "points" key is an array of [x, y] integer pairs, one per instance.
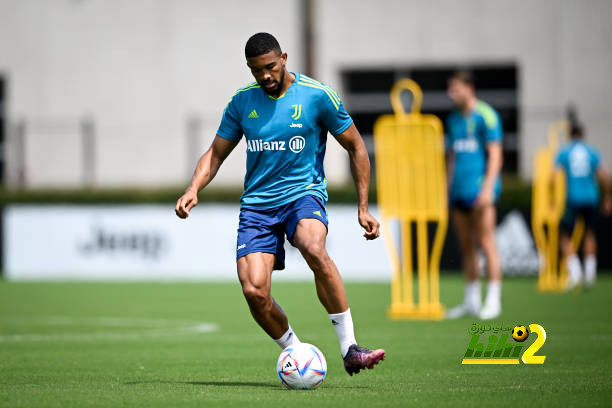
{"points": [[606, 206], [186, 203]]}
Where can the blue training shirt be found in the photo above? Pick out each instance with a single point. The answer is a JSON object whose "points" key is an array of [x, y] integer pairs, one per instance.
{"points": [[580, 162], [467, 136], [285, 139]]}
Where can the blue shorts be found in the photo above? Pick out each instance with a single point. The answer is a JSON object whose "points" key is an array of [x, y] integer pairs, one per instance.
{"points": [[264, 230], [462, 204], [466, 206], [589, 214]]}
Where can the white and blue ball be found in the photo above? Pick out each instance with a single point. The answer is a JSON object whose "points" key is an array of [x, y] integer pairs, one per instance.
{"points": [[301, 367]]}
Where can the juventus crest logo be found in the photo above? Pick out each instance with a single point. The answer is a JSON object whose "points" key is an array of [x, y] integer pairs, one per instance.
{"points": [[297, 111]]}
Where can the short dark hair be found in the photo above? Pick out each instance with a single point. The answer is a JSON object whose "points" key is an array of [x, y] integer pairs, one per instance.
{"points": [[576, 128], [261, 43], [463, 75]]}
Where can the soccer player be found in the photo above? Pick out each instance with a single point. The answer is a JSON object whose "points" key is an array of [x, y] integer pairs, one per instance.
{"points": [[285, 118], [582, 167], [474, 137]]}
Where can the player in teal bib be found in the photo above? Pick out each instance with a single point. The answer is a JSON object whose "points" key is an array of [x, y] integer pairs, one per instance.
{"points": [[580, 163], [475, 157], [285, 139], [467, 138], [284, 118]]}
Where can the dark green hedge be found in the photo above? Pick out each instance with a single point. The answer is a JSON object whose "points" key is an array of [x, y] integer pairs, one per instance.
{"points": [[516, 194]]}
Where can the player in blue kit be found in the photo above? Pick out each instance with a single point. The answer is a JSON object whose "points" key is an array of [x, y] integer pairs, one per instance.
{"points": [[474, 147], [582, 167], [285, 118]]}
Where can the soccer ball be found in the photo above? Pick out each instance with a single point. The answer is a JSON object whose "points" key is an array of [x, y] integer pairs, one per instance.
{"points": [[301, 367], [520, 333]]}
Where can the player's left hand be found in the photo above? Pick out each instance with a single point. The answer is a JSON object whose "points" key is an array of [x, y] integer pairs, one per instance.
{"points": [[370, 224], [485, 197]]}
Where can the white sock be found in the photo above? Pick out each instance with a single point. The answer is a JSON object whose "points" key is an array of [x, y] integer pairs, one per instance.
{"points": [[493, 292], [472, 295], [590, 268], [343, 323], [287, 339], [574, 268]]}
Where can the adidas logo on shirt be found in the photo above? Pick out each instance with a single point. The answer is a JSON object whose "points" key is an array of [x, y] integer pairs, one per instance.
{"points": [[253, 114]]}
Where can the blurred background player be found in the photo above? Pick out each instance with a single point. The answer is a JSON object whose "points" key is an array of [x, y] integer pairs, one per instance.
{"points": [[285, 118], [581, 164], [474, 145]]}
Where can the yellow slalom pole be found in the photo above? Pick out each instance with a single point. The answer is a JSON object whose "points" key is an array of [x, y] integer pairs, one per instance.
{"points": [[407, 278], [411, 184]]}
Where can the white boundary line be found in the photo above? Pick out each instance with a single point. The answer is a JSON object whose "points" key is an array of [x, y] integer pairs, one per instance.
{"points": [[144, 328]]}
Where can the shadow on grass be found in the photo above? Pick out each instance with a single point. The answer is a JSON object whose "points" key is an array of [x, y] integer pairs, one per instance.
{"points": [[232, 384], [209, 383]]}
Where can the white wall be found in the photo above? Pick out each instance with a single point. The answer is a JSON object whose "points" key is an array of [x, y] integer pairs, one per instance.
{"points": [[142, 67], [562, 47], [148, 242]]}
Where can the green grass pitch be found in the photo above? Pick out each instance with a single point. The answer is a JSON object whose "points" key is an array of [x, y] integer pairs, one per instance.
{"points": [[146, 345]]}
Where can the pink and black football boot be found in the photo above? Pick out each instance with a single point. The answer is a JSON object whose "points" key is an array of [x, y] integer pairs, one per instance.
{"points": [[358, 358]]}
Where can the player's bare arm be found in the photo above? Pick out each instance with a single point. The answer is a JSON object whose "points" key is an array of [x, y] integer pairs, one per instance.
{"points": [[205, 171], [352, 142], [494, 165], [604, 180], [450, 167]]}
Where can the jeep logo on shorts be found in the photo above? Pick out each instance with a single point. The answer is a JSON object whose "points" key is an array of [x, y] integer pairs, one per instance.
{"points": [[296, 144]]}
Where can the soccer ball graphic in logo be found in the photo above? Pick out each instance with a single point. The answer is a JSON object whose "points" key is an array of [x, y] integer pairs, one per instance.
{"points": [[301, 367], [520, 333]]}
